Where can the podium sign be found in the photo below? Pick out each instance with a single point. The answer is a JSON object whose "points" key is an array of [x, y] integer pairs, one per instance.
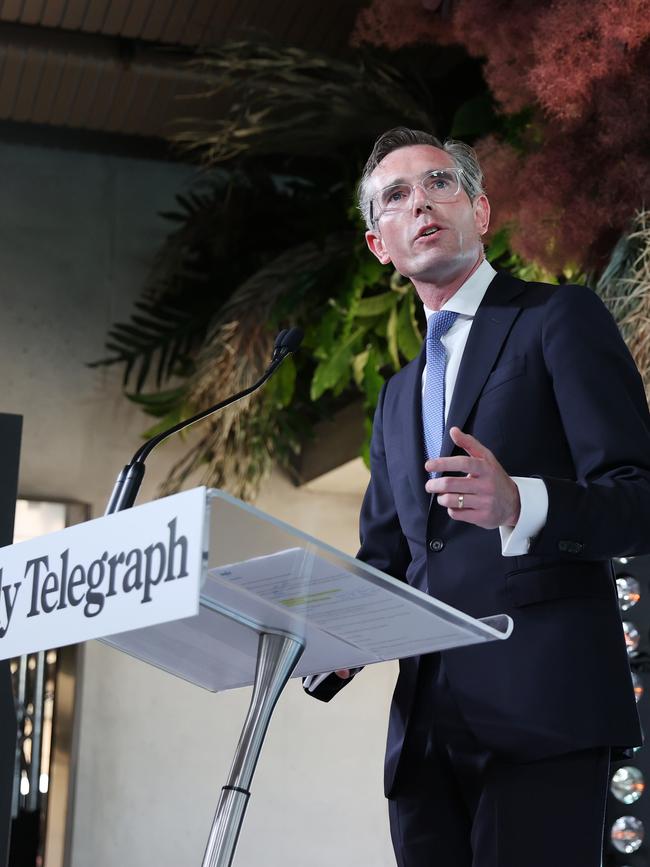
{"points": [[117, 573], [215, 591]]}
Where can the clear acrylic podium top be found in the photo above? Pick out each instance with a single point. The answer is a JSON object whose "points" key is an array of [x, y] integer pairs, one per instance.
{"points": [[261, 574]]}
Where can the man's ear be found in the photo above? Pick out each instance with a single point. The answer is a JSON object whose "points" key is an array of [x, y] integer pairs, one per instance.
{"points": [[376, 246], [482, 214]]}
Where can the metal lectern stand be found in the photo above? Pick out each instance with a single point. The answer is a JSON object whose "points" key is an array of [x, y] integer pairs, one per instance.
{"points": [[277, 658], [277, 603]]}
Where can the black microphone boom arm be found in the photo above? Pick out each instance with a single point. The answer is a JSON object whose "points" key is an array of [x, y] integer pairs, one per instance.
{"points": [[129, 480]]}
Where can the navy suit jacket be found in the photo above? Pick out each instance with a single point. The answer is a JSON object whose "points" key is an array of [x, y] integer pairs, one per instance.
{"points": [[548, 385]]}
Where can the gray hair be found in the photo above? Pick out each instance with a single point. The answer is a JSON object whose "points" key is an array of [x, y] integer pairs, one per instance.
{"points": [[463, 155]]}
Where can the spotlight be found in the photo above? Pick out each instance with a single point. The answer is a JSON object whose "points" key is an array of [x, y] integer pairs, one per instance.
{"points": [[627, 834], [627, 784], [629, 591], [632, 637]]}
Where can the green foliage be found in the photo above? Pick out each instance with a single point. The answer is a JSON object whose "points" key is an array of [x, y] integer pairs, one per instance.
{"points": [[268, 238], [499, 254], [369, 332]]}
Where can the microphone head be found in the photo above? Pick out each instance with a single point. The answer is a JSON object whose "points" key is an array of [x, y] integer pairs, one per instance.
{"points": [[278, 346], [292, 339], [279, 340]]}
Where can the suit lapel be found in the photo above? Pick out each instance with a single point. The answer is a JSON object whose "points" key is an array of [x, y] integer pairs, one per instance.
{"points": [[491, 325], [408, 418]]}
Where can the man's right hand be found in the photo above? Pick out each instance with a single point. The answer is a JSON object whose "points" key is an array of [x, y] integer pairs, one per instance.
{"points": [[343, 673]]}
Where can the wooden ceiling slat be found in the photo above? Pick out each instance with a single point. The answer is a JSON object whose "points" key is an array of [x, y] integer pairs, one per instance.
{"points": [[10, 81], [53, 13], [198, 23], [137, 18], [29, 83], [121, 101], [81, 109], [117, 12], [165, 108], [70, 79], [136, 119], [157, 20], [96, 12], [74, 14], [297, 31], [231, 21], [157, 104], [11, 10], [53, 69], [272, 16], [177, 21], [32, 12], [105, 88]]}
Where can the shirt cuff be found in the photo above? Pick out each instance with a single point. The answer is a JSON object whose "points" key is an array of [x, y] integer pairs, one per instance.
{"points": [[533, 499]]}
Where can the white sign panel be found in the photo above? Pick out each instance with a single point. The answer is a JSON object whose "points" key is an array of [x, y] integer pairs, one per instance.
{"points": [[117, 573]]}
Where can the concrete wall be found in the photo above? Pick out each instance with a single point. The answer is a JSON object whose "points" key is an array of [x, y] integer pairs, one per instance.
{"points": [[77, 232]]}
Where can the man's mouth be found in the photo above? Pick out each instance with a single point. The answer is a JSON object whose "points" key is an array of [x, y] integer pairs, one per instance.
{"points": [[427, 232]]}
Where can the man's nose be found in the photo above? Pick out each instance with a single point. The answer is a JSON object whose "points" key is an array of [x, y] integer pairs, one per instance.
{"points": [[421, 201]]}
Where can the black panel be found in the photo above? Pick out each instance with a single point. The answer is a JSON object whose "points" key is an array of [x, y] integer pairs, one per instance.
{"points": [[10, 433]]}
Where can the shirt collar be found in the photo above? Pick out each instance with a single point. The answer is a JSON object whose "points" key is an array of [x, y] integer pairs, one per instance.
{"points": [[467, 299]]}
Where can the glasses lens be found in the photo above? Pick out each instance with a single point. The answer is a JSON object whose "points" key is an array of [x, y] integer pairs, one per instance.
{"points": [[395, 198], [442, 185]]}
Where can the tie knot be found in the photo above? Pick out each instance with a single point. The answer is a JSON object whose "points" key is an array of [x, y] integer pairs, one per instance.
{"points": [[439, 323]]}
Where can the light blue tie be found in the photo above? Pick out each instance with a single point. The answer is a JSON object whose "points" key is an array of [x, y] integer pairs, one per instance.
{"points": [[433, 399]]}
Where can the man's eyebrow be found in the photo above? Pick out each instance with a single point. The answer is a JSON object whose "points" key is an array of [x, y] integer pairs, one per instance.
{"points": [[396, 181]]}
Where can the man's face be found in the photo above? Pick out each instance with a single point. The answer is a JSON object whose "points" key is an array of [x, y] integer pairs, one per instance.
{"points": [[440, 257]]}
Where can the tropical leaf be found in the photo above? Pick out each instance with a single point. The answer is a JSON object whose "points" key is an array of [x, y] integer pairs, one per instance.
{"points": [[372, 379], [163, 338], [161, 403], [376, 304], [409, 339], [331, 371], [391, 336]]}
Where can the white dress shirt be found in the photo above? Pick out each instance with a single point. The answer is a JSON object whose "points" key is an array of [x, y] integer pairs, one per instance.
{"points": [[533, 495]]}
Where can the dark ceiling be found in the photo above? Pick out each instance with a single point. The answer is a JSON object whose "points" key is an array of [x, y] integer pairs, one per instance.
{"points": [[100, 66]]}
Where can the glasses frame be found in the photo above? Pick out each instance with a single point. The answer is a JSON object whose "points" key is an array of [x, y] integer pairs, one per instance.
{"points": [[452, 169]]}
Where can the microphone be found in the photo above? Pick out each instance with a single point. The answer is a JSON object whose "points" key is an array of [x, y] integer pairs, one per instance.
{"points": [[129, 480]]}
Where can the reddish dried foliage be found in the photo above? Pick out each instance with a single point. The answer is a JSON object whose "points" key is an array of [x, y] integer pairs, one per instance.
{"points": [[587, 70]]}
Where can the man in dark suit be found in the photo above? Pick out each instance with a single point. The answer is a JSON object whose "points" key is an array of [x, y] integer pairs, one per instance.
{"points": [[509, 463]]}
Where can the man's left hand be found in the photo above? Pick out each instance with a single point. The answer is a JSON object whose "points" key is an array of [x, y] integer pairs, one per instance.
{"points": [[486, 496]]}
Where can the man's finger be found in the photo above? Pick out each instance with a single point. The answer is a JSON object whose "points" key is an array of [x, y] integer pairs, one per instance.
{"points": [[454, 464], [468, 443], [455, 485]]}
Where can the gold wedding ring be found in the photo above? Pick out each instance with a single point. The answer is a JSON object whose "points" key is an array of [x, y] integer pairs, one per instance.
{"points": [[461, 500]]}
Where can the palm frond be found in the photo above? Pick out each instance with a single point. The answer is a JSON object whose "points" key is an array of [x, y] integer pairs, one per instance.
{"points": [[625, 289], [162, 337], [283, 100], [239, 444]]}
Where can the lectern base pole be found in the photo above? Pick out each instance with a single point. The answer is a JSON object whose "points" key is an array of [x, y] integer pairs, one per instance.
{"points": [[277, 656]]}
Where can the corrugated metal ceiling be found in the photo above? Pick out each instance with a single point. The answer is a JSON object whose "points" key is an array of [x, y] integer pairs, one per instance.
{"points": [[95, 64]]}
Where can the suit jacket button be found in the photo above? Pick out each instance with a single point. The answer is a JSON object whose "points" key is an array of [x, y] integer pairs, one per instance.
{"points": [[569, 547], [436, 545]]}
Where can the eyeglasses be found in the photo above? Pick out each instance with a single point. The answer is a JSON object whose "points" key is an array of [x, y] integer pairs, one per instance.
{"points": [[440, 185]]}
